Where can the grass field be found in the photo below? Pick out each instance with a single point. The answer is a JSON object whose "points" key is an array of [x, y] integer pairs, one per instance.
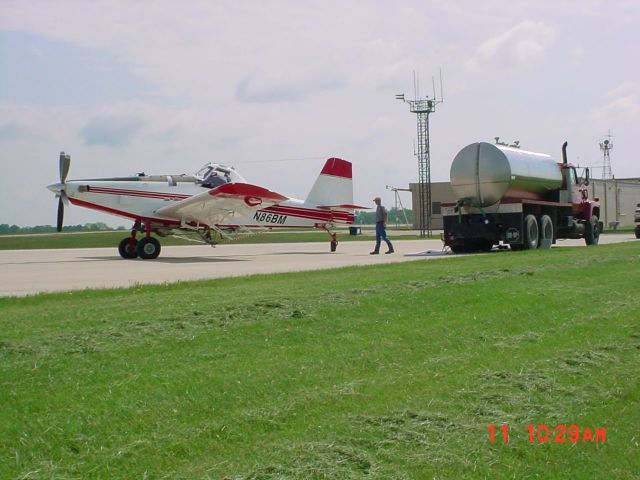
{"points": [[373, 372], [111, 239]]}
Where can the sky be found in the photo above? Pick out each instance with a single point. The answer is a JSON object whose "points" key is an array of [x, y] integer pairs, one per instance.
{"points": [[274, 88]]}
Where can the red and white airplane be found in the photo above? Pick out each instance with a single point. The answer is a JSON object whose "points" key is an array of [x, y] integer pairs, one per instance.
{"points": [[215, 202]]}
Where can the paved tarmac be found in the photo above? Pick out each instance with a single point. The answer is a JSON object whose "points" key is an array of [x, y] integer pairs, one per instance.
{"points": [[25, 272]]}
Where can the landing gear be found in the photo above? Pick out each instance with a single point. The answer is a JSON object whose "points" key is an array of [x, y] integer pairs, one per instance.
{"points": [[148, 248], [334, 236], [127, 248]]}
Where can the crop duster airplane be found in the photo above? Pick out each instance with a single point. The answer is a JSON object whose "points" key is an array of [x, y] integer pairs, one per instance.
{"points": [[215, 202]]}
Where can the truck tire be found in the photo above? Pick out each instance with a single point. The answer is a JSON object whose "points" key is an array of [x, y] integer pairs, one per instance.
{"points": [[638, 231], [458, 249], [531, 232], [546, 232], [592, 231]]}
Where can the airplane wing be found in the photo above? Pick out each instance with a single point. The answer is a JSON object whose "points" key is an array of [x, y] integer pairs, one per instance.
{"points": [[221, 204]]}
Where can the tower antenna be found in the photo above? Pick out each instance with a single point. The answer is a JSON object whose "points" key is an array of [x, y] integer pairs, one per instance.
{"points": [[422, 107], [606, 146]]}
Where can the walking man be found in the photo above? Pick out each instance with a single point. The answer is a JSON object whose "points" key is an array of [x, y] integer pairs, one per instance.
{"points": [[381, 223]]}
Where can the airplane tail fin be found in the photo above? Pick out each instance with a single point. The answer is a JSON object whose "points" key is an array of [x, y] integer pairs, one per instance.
{"points": [[334, 186]]}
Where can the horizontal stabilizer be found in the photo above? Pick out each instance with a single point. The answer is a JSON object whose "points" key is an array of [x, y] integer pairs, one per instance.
{"points": [[345, 206]]}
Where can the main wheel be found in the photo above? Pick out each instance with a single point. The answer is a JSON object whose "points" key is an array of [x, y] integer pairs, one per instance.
{"points": [[546, 232], [148, 248], [127, 248], [592, 231], [530, 232]]}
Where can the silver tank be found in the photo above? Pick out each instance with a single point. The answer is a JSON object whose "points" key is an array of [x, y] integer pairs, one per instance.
{"points": [[484, 173]]}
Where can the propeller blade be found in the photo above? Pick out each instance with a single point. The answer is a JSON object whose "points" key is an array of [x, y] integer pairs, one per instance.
{"points": [[65, 162], [60, 214], [64, 198]]}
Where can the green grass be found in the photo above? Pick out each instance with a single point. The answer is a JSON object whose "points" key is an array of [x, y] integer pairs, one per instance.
{"points": [[111, 239], [373, 372]]}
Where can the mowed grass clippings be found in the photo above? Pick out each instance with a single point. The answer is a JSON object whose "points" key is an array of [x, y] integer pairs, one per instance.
{"points": [[389, 371]]}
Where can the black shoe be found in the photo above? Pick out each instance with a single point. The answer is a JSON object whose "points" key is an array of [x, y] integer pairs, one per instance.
{"points": [[389, 251], [375, 252]]}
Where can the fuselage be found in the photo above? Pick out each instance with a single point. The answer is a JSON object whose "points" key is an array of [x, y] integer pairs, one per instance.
{"points": [[136, 198]]}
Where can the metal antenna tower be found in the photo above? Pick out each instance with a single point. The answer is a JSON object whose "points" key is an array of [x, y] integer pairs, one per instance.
{"points": [[606, 146], [422, 107]]}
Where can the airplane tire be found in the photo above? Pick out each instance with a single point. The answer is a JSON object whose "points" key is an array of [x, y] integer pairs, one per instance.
{"points": [[148, 248], [334, 245], [127, 249], [530, 232]]}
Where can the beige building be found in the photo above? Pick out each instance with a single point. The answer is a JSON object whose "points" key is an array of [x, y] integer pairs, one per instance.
{"points": [[618, 200]]}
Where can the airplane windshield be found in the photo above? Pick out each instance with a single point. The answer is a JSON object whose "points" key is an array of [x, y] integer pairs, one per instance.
{"points": [[204, 171], [214, 175]]}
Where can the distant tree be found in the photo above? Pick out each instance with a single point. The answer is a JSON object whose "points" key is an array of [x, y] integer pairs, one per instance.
{"points": [[369, 218]]}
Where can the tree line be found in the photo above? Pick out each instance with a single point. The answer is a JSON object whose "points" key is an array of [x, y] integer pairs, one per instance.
{"points": [[6, 229], [396, 215]]}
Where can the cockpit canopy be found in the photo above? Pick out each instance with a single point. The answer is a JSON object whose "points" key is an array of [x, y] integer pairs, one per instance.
{"points": [[213, 175]]}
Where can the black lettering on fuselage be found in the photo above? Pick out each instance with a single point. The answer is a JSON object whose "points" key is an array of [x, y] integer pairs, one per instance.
{"points": [[267, 217]]}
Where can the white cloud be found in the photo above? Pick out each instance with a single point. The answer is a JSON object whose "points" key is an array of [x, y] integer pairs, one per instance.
{"points": [[112, 130], [523, 45], [621, 104], [253, 81], [265, 88]]}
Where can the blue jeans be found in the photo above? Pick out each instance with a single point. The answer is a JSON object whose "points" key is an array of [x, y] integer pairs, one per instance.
{"points": [[381, 234]]}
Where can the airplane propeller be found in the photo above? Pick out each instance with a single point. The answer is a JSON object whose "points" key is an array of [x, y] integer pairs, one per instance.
{"points": [[65, 162]]}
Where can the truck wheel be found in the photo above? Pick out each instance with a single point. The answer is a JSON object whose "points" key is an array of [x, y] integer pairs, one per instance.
{"points": [[458, 248], [592, 231], [485, 245], [546, 232], [530, 232], [638, 231]]}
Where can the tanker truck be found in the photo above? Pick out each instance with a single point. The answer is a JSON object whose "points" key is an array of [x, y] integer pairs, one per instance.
{"points": [[518, 198]]}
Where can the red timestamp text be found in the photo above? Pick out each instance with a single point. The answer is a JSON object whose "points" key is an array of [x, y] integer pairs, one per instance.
{"points": [[542, 433]]}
